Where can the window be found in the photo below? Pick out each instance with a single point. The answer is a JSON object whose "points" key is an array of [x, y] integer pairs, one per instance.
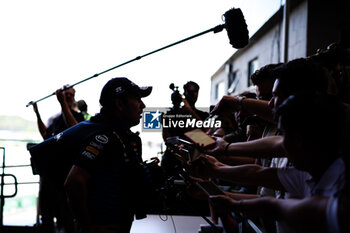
{"points": [[219, 90], [233, 81], [232, 77], [252, 67]]}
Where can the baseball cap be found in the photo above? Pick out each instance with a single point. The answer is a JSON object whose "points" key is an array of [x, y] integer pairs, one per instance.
{"points": [[120, 86]]}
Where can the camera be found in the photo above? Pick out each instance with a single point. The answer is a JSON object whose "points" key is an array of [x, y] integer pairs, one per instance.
{"points": [[173, 198], [176, 97], [184, 151]]}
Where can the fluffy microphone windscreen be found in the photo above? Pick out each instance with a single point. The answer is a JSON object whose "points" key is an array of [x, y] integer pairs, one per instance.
{"points": [[236, 28]]}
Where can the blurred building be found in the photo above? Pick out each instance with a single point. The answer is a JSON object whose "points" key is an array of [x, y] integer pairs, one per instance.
{"points": [[297, 29]]}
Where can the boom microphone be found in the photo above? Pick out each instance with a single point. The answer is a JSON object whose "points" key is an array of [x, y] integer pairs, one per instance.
{"points": [[236, 28], [237, 32]]}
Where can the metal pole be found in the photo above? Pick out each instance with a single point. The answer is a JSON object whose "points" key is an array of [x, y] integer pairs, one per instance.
{"points": [[2, 198], [216, 29], [286, 12]]}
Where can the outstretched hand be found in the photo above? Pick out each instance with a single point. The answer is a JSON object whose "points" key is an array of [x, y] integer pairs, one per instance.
{"points": [[217, 149], [205, 167], [193, 190], [221, 204], [227, 103], [211, 161]]}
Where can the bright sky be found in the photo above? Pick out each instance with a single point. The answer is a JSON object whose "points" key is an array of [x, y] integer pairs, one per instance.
{"points": [[46, 44]]}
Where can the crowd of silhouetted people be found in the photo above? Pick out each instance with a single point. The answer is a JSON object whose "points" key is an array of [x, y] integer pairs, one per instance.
{"points": [[282, 152]]}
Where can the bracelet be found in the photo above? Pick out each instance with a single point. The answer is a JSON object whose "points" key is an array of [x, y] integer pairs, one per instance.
{"points": [[226, 148]]}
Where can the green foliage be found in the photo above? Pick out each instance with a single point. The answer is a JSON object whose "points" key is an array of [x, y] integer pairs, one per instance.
{"points": [[16, 123]]}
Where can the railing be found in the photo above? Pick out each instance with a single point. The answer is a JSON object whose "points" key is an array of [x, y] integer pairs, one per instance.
{"points": [[9, 185], [2, 196], [5, 173]]}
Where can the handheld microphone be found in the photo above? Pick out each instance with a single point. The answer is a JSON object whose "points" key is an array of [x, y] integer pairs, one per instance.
{"points": [[236, 27]]}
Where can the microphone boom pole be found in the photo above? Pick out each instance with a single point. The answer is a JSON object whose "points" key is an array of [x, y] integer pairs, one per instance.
{"points": [[215, 29]]}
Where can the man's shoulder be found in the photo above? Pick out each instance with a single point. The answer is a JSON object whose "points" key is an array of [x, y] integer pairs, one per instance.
{"points": [[87, 130], [53, 118]]}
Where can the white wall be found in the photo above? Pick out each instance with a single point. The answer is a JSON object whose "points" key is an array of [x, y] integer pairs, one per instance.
{"points": [[298, 32], [266, 50], [222, 77]]}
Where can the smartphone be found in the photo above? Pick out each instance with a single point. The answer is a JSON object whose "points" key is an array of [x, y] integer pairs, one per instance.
{"points": [[210, 188], [200, 137]]}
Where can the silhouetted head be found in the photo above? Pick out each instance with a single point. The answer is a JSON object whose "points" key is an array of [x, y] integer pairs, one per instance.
{"points": [[264, 79], [298, 76], [121, 98], [312, 126], [191, 90]]}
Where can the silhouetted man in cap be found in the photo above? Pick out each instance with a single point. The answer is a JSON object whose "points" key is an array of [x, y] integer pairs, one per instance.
{"points": [[107, 177]]}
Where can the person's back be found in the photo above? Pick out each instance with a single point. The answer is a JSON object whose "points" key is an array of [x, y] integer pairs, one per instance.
{"points": [[58, 123]]}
